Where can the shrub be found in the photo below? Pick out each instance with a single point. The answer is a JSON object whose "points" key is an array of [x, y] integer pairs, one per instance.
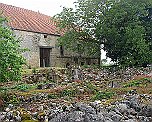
{"points": [[52, 96], [103, 95], [67, 92], [22, 87], [136, 83], [11, 60]]}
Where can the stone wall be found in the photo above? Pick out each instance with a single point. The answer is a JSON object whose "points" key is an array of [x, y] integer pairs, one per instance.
{"points": [[33, 41]]}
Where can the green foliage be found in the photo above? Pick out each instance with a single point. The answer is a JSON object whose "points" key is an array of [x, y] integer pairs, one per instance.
{"points": [[8, 97], [125, 34], [67, 92], [79, 26], [137, 83], [13, 99], [53, 96], [34, 70], [103, 95], [91, 88], [4, 95], [124, 27], [23, 87], [133, 83], [11, 60], [18, 86]]}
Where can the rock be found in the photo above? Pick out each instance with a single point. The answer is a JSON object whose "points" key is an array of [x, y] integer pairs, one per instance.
{"points": [[147, 111], [117, 111], [94, 118], [107, 119], [41, 116], [130, 120], [40, 86], [115, 117], [122, 107], [7, 109], [85, 108], [81, 90], [132, 112], [41, 108], [134, 103], [7, 120], [11, 120], [2, 116], [76, 116], [34, 115], [1, 102], [62, 117], [9, 115], [95, 103], [17, 118], [144, 119], [10, 106], [131, 117]]}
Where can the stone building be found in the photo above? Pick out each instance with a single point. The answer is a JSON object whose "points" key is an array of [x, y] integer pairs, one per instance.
{"points": [[39, 34]]}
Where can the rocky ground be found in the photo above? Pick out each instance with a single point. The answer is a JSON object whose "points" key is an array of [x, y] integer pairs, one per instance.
{"points": [[93, 95]]}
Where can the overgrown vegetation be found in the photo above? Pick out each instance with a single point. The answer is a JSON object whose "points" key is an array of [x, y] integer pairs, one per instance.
{"points": [[11, 60], [140, 82], [103, 95]]}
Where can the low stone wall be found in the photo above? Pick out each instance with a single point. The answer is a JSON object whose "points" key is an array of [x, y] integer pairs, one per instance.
{"points": [[89, 74], [44, 74]]}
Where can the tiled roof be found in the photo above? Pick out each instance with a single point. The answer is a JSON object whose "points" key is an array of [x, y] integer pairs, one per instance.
{"points": [[28, 20]]}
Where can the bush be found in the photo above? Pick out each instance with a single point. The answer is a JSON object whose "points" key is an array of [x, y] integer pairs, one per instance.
{"points": [[67, 92], [103, 95], [52, 96], [23, 87], [11, 60], [136, 83]]}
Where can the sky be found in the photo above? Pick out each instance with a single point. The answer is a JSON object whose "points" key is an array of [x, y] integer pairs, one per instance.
{"points": [[48, 7]]}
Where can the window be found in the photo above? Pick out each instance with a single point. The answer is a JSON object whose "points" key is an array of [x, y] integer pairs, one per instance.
{"points": [[45, 36]]}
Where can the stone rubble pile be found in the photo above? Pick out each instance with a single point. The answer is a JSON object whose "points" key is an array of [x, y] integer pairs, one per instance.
{"points": [[131, 109]]}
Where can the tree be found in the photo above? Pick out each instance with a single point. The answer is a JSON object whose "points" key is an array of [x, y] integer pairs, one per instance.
{"points": [[79, 25], [11, 60], [122, 26], [126, 29]]}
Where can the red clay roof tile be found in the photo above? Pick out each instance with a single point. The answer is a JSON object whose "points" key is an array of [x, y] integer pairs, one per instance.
{"points": [[28, 20]]}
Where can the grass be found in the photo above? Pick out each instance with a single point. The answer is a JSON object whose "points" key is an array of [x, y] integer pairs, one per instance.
{"points": [[137, 83], [103, 95]]}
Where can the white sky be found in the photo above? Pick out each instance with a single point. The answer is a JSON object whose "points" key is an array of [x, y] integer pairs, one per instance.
{"points": [[48, 7]]}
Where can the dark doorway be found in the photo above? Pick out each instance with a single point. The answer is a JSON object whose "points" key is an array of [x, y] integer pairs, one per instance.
{"points": [[45, 57], [88, 61], [61, 51]]}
